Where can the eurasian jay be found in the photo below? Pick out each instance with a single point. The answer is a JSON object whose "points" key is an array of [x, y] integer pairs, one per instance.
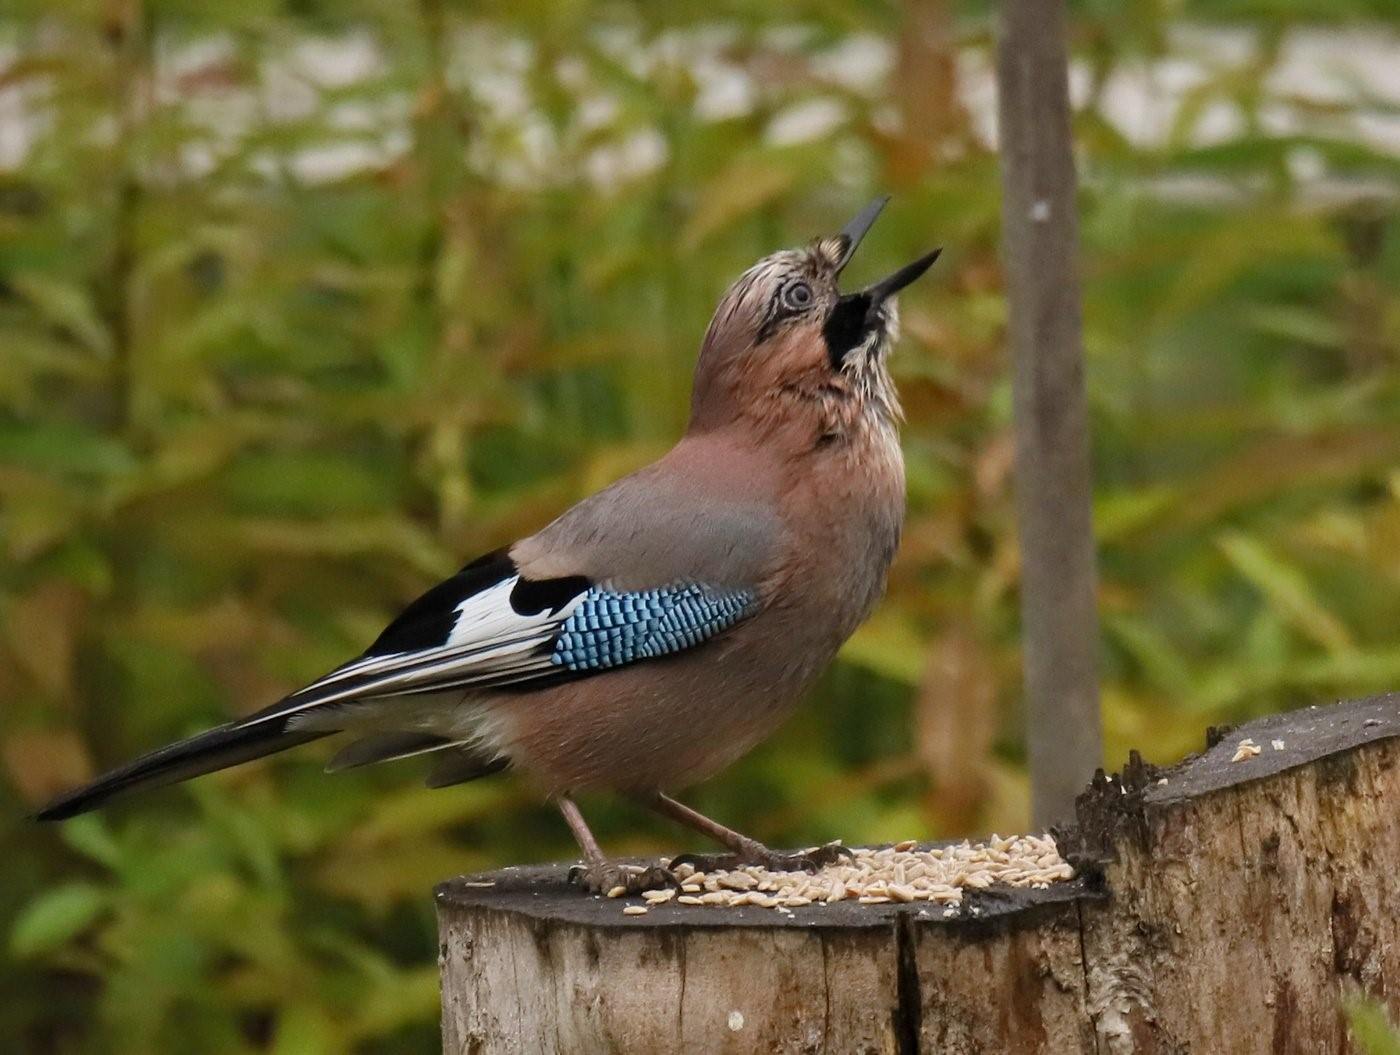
{"points": [[658, 630]]}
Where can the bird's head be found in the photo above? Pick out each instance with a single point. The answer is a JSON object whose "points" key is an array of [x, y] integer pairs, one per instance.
{"points": [[787, 347]]}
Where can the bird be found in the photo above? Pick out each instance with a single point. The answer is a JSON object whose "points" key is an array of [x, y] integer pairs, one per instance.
{"points": [[658, 630]]}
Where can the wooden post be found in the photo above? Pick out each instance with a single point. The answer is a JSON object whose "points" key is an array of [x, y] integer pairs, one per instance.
{"points": [[1060, 628], [1221, 906]]}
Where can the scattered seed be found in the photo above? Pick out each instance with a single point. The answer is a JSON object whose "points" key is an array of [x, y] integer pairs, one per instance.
{"points": [[657, 897], [635, 910], [687, 899], [1247, 749], [1277, 745], [617, 891]]}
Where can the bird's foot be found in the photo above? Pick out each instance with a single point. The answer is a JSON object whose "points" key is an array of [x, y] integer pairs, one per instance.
{"points": [[818, 857], [813, 860], [708, 862], [618, 880]]}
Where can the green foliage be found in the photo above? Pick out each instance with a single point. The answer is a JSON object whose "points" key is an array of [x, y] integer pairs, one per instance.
{"points": [[1372, 1029], [55, 917], [282, 343]]}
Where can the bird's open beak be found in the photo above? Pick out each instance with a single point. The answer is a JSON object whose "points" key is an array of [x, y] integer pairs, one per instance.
{"points": [[854, 231], [854, 314], [851, 236], [888, 287]]}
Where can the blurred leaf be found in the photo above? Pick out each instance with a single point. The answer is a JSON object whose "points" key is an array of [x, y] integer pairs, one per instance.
{"points": [[889, 645], [1121, 513], [90, 836], [743, 189], [40, 628], [1302, 325], [1165, 669], [56, 917], [377, 880], [305, 484], [348, 538], [65, 307], [59, 447], [1279, 466], [1287, 589], [304, 1030]]}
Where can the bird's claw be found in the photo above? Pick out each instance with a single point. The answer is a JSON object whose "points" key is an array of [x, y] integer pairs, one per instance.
{"points": [[813, 860], [615, 880], [708, 862]]}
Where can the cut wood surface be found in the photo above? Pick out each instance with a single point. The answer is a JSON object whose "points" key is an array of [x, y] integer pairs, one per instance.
{"points": [[1221, 906]]}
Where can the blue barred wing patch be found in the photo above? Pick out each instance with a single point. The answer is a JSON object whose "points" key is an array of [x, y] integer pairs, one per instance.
{"points": [[608, 629]]}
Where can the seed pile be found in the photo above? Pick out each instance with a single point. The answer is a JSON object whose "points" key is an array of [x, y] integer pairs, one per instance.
{"points": [[873, 877]]}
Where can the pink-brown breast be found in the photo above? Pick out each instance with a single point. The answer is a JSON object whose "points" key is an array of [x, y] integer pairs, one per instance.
{"points": [[669, 722]]}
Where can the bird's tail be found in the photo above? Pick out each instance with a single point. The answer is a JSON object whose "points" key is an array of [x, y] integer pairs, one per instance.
{"points": [[219, 748]]}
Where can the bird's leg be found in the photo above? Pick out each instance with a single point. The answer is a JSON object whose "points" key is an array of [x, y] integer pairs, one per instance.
{"points": [[743, 850], [601, 876]]}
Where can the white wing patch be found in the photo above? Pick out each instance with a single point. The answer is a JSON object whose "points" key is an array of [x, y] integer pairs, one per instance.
{"points": [[490, 644], [489, 616]]}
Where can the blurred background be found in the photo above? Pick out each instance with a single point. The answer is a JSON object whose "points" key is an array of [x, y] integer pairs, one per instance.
{"points": [[303, 303]]}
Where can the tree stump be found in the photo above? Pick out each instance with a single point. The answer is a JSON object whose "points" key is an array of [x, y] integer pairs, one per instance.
{"points": [[1220, 906]]}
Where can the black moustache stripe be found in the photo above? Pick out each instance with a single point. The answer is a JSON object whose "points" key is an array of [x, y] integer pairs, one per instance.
{"points": [[847, 327]]}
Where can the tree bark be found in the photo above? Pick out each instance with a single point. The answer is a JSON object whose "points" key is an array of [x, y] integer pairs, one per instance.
{"points": [[1060, 625], [1220, 906]]}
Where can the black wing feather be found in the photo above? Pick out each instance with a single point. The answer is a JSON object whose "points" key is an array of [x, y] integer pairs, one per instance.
{"points": [[428, 620]]}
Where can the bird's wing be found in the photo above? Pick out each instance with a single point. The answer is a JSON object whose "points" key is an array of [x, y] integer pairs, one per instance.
{"points": [[619, 594], [660, 562]]}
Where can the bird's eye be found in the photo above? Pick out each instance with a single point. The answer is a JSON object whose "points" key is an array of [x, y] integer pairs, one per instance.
{"points": [[797, 296]]}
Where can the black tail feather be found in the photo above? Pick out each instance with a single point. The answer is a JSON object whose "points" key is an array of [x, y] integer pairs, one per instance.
{"points": [[461, 764], [385, 747], [219, 748]]}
